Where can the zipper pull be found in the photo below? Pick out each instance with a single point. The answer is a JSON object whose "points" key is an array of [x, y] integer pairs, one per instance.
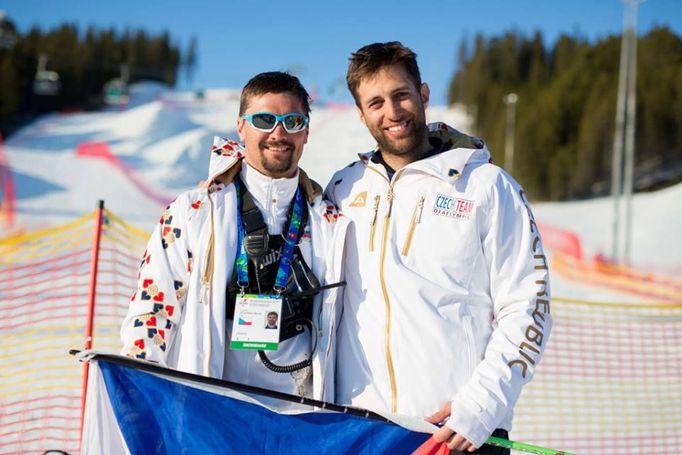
{"points": [[203, 294], [416, 219], [420, 206], [389, 198], [375, 210], [373, 222]]}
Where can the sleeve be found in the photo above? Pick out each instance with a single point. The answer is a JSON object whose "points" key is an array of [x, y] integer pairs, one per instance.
{"points": [[519, 288], [157, 303]]}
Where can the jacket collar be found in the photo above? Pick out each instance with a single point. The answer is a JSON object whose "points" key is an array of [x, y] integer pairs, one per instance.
{"points": [[459, 150]]}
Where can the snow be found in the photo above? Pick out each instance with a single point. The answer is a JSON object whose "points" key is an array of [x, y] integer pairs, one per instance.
{"points": [[656, 222], [160, 142]]}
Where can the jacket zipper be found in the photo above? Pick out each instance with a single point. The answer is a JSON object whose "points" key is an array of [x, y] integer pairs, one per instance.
{"points": [[206, 279], [373, 222], [416, 219], [332, 330], [384, 289], [207, 266], [387, 218], [375, 213]]}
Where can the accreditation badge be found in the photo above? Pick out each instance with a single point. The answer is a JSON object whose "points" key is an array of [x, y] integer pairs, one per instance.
{"points": [[256, 322]]}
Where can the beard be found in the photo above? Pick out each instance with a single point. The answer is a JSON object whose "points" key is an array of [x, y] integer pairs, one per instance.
{"points": [[280, 163], [411, 145]]}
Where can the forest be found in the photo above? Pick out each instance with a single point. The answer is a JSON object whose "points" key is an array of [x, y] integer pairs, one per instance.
{"points": [[566, 108], [66, 69]]}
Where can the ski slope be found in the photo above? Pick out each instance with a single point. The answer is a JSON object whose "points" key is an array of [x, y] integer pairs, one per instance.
{"points": [[138, 157]]}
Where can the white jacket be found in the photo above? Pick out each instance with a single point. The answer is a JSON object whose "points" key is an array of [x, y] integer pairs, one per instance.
{"points": [[177, 315], [448, 288]]}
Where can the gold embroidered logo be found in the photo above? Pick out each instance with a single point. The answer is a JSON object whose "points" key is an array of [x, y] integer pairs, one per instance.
{"points": [[360, 200]]}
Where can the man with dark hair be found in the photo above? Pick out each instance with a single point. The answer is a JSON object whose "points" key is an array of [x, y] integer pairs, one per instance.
{"points": [[273, 82], [225, 255], [446, 310], [271, 322]]}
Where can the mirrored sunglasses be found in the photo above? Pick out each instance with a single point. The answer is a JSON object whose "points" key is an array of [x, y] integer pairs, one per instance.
{"points": [[293, 122]]}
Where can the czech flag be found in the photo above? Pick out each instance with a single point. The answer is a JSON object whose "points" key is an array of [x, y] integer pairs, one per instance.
{"points": [[141, 408]]}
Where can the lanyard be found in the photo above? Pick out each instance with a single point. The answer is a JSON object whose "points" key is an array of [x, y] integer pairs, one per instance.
{"points": [[284, 268]]}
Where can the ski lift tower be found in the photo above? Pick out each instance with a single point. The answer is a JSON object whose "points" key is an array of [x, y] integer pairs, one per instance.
{"points": [[46, 83], [510, 100], [116, 90], [624, 136]]}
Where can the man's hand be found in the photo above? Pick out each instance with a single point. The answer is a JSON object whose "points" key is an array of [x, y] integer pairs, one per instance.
{"points": [[446, 434]]}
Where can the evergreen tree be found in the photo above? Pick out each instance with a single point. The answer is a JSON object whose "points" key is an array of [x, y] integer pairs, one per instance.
{"points": [[84, 63], [566, 108]]}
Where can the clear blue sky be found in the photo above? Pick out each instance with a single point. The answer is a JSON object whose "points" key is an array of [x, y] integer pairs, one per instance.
{"points": [[238, 39]]}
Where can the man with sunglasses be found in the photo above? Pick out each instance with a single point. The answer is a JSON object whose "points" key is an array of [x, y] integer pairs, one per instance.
{"points": [[256, 239], [446, 309]]}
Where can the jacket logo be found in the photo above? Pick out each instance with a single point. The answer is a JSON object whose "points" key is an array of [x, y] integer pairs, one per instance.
{"points": [[360, 200], [453, 207]]}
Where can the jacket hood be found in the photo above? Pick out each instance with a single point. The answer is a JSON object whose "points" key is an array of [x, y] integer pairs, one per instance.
{"points": [[457, 151], [225, 163], [225, 155]]}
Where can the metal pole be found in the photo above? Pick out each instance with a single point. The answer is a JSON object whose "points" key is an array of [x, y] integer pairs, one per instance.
{"points": [[510, 99], [7, 181], [630, 124], [618, 139], [94, 259]]}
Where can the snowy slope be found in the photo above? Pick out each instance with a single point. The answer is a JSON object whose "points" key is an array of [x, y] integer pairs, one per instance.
{"points": [[159, 145], [656, 224], [164, 139]]}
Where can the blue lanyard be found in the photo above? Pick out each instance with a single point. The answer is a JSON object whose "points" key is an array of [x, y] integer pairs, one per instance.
{"points": [[284, 268]]}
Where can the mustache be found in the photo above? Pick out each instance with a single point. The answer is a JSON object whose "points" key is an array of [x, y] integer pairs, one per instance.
{"points": [[279, 143]]}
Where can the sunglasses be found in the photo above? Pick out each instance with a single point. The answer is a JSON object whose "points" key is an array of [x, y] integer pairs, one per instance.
{"points": [[292, 122]]}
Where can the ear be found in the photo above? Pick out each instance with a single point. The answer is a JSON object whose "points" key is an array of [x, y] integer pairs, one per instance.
{"points": [[306, 132], [425, 93], [361, 115], [240, 129]]}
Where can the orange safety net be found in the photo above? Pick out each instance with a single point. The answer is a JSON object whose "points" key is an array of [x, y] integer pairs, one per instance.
{"points": [[650, 286], [610, 380], [44, 290]]}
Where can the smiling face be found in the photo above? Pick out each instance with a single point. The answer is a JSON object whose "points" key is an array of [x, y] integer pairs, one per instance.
{"points": [[272, 319], [393, 109], [274, 154]]}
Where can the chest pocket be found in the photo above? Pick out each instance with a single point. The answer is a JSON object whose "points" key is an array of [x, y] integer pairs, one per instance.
{"points": [[441, 239], [364, 210]]}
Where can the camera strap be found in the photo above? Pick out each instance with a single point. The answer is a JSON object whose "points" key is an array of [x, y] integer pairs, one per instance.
{"points": [[254, 243], [253, 237]]}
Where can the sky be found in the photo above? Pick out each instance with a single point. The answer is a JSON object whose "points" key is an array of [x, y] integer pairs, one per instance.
{"points": [[313, 39]]}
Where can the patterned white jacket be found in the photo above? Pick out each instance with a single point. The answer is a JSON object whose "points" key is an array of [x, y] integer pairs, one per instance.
{"points": [[177, 315]]}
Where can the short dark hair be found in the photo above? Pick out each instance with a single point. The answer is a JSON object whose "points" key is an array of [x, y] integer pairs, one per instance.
{"points": [[369, 60], [274, 82]]}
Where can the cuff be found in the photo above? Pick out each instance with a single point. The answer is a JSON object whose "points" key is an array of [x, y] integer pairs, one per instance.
{"points": [[468, 424]]}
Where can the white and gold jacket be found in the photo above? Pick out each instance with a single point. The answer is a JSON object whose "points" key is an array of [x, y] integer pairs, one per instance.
{"points": [[448, 288]]}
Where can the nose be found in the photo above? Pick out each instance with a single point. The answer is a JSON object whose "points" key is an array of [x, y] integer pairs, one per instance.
{"points": [[279, 130], [394, 109]]}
